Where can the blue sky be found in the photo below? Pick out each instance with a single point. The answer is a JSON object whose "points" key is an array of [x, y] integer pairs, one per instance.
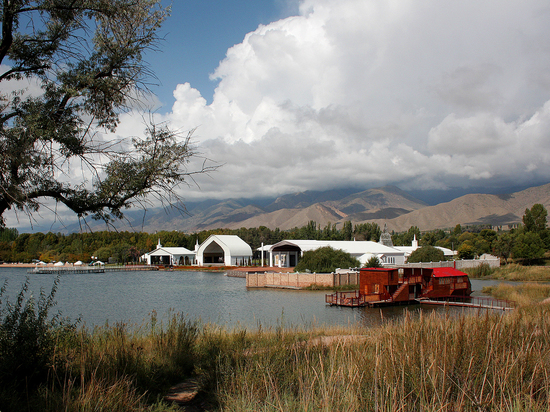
{"points": [[198, 35]]}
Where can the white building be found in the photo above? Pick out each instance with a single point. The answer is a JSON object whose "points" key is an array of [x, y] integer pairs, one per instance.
{"points": [[287, 253], [224, 250], [169, 256]]}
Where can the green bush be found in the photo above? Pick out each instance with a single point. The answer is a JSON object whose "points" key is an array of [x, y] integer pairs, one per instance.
{"points": [[28, 338], [326, 260], [426, 254], [373, 262]]}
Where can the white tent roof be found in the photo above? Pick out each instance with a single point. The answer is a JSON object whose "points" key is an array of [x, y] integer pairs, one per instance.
{"points": [[233, 243]]}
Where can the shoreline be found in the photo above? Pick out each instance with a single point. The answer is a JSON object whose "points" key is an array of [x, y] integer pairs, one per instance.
{"points": [[190, 268]]}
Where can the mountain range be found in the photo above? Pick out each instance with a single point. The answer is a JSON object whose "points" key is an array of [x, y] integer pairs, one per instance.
{"points": [[388, 205]]}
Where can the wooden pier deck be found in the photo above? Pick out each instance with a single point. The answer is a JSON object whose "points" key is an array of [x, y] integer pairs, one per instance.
{"points": [[70, 270], [470, 302], [354, 299]]}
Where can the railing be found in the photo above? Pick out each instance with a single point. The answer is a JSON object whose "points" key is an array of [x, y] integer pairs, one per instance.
{"points": [[350, 298], [472, 301]]}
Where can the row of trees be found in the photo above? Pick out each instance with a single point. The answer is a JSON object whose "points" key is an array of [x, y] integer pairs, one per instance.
{"points": [[527, 242]]}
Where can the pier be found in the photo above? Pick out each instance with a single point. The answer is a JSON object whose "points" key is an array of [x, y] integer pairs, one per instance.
{"points": [[355, 299], [70, 270], [469, 302]]}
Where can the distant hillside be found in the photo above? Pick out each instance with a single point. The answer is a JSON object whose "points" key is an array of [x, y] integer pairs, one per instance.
{"points": [[387, 204], [496, 210]]}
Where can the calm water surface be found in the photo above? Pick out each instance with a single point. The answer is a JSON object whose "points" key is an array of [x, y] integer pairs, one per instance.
{"points": [[131, 297]]}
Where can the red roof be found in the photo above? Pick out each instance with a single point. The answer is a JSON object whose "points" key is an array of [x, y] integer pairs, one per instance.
{"points": [[447, 272]]}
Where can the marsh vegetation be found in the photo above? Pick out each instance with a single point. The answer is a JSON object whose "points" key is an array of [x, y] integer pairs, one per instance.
{"points": [[444, 362]]}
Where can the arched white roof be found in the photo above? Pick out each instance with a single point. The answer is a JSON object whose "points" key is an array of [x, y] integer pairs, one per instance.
{"points": [[229, 243]]}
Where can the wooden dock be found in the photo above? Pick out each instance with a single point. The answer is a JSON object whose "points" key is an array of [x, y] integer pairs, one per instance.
{"points": [[480, 302], [77, 270], [355, 299]]}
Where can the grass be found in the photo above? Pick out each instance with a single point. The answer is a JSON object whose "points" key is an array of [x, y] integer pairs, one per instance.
{"points": [[524, 294], [438, 362], [316, 286], [512, 272]]}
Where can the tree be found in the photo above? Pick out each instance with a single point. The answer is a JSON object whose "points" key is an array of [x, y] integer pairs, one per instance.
{"points": [[426, 254], [347, 230], [467, 250], [534, 219], [502, 246], [457, 231], [326, 260], [528, 246], [76, 65], [407, 237], [367, 231], [373, 262]]}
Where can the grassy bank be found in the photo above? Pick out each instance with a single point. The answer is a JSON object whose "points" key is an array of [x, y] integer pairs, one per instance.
{"points": [[511, 272], [439, 362]]}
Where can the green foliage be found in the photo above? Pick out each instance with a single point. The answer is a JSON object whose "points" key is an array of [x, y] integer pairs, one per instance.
{"points": [[347, 230], [373, 262], [28, 337], [457, 231], [367, 231], [87, 57], [502, 245], [8, 235], [406, 238], [426, 254], [432, 238], [326, 260], [528, 246], [480, 271], [466, 250], [534, 219]]}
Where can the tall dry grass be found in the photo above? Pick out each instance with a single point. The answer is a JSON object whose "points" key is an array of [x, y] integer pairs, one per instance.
{"points": [[524, 294], [433, 363], [512, 272]]}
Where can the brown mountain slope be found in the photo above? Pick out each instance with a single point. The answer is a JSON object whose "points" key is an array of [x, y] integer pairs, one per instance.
{"points": [[384, 202], [285, 219], [383, 205], [497, 210]]}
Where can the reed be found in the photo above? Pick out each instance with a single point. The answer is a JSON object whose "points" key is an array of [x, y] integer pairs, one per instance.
{"points": [[435, 362], [487, 362], [524, 294], [512, 272]]}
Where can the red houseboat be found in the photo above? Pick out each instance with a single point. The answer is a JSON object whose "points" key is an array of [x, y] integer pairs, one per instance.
{"points": [[385, 286]]}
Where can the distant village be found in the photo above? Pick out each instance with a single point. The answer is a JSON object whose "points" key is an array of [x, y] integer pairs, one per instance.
{"points": [[231, 250]]}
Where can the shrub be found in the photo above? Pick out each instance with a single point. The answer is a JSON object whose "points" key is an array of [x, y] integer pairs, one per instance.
{"points": [[373, 262], [326, 260], [426, 254], [27, 342]]}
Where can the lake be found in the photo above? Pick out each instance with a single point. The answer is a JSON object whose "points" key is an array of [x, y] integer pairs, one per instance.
{"points": [[131, 297]]}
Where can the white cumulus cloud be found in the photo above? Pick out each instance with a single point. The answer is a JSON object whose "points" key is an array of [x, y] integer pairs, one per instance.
{"points": [[426, 94]]}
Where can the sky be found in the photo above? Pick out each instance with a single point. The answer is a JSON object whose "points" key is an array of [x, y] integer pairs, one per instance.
{"points": [[321, 94], [295, 95]]}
